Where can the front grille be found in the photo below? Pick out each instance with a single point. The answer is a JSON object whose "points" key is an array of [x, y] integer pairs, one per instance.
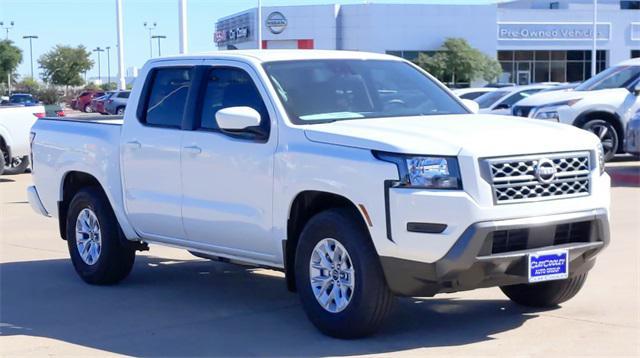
{"points": [[533, 238], [521, 111], [527, 178]]}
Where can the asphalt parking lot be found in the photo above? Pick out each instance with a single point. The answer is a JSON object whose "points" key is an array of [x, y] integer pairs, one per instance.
{"points": [[174, 304]]}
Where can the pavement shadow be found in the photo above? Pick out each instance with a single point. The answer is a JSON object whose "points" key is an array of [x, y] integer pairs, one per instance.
{"points": [[201, 308], [5, 180], [625, 176]]}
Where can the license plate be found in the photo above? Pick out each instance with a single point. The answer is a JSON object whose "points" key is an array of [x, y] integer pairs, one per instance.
{"points": [[548, 265]]}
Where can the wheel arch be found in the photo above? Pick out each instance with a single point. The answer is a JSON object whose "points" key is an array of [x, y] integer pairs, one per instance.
{"points": [[303, 207], [610, 117]]}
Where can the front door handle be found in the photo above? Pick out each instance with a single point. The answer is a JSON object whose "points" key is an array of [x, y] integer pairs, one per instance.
{"points": [[193, 149], [134, 144]]}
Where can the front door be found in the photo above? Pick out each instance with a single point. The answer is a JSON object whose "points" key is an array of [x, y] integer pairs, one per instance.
{"points": [[227, 178], [151, 142]]}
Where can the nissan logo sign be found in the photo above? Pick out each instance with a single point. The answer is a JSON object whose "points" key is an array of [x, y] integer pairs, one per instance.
{"points": [[276, 22], [545, 171]]}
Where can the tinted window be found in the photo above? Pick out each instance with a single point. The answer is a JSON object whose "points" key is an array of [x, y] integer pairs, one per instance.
{"points": [[511, 100], [123, 94], [168, 97], [330, 90], [230, 87], [472, 95], [613, 77], [488, 99]]}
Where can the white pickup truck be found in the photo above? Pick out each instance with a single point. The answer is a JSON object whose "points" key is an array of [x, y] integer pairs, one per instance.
{"points": [[358, 175], [15, 124]]}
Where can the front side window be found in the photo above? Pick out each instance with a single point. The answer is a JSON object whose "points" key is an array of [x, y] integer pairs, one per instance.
{"points": [[613, 77], [316, 91], [168, 97], [231, 87], [123, 94], [516, 97], [488, 99]]}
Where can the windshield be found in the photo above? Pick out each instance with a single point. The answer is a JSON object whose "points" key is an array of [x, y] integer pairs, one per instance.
{"points": [[315, 91], [489, 98], [613, 77]]}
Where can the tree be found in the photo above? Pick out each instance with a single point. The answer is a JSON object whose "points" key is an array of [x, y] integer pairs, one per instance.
{"points": [[457, 61], [28, 85], [10, 58], [64, 65]]}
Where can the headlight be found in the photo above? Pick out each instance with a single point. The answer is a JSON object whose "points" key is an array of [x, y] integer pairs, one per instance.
{"points": [[550, 111], [429, 172], [600, 152]]}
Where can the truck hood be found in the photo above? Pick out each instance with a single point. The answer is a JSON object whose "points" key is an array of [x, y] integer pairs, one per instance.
{"points": [[546, 98], [475, 135]]}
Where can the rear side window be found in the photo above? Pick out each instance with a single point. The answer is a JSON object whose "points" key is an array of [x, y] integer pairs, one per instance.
{"points": [[167, 97], [123, 94], [230, 87]]}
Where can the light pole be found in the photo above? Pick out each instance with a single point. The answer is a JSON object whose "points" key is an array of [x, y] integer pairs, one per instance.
{"points": [[594, 50], [31, 37], [182, 13], [259, 27], [98, 50], [159, 37], [7, 27], [150, 27], [121, 81], [108, 64]]}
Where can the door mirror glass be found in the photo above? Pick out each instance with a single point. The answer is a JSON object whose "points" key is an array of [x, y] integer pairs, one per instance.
{"points": [[473, 106], [237, 119]]}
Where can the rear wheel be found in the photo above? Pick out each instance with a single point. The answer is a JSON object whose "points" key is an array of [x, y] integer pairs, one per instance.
{"points": [[120, 111], [88, 108], [607, 134], [1, 161], [93, 238], [18, 166], [545, 294], [339, 278]]}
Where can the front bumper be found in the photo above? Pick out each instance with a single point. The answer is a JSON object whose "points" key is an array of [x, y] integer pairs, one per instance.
{"points": [[471, 262]]}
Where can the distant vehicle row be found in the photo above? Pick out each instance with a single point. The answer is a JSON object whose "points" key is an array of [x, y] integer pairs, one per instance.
{"points": [[110, 102]]}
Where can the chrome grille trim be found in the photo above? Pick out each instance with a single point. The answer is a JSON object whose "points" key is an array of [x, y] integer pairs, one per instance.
{"points": [[514, 180]]}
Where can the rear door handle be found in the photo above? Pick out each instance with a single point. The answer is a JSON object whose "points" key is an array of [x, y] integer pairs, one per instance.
{"points": [[193, 149], [134, 144]]}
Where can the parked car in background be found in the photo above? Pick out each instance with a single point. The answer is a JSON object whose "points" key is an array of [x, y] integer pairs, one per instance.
{"points": [[501, 100], [98, 103], [601, 104], [500, 85], [632, 135], [364, 180], [54, 110], [472, 93], [20, 99], [117, 103], [15, 124], [83, 101]]}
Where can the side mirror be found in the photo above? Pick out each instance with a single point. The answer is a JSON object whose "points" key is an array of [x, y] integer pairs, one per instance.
{"points": [[636, 89], [471, 105], [237, 119], [502, 106]]}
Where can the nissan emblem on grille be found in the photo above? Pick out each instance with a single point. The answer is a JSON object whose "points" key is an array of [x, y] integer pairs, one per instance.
{"points": [[545, 171], [539, 177]]}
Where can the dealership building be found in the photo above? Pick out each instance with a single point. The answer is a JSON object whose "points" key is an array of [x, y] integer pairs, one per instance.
{"points": [[534, 40]]}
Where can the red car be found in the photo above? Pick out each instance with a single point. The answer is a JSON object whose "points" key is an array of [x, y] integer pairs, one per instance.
{"points": [[83, 101], [98, 103]]}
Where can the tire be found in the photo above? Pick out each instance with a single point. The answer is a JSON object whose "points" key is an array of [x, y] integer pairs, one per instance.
{"points": [[370, 300], [88, 109], [608, 135], [18, 169], [112, 260], [1, 161], [120, 111], [545, 294]]}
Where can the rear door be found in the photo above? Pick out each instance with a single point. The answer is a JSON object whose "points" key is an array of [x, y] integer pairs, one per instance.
{"points": [[151, 144], [227, 179]]}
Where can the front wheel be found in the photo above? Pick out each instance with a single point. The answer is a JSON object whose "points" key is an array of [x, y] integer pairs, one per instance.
{"points": [[120, 111], [607, 134], [18, 166], [93, 238], [545, 294], [88, 109], [339, 277]]}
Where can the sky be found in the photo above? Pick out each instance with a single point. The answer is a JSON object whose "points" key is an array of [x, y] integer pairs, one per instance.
{"points": [[92, 23]]}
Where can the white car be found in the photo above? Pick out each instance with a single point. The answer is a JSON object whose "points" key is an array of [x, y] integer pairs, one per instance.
{"points": [[603, 104], [15, 124], [501, 100], [473, 92], [358, 175]]}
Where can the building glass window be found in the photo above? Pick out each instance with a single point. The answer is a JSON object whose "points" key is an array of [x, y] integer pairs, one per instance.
{"points": [[549, 66], [630, 5], [635, 53], [554, 5], [411, 55]]}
